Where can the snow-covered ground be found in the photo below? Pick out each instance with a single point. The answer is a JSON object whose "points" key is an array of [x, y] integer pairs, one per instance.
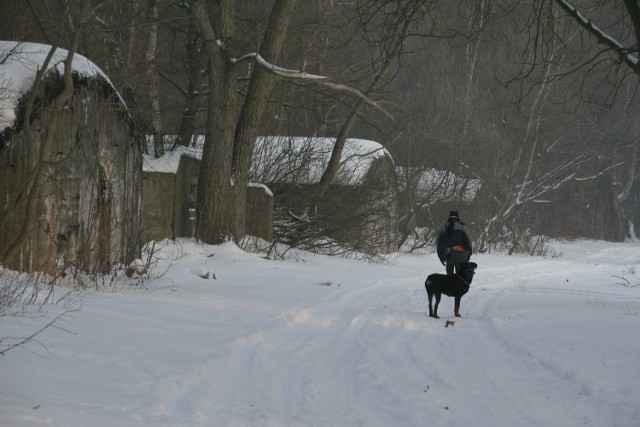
{"points": [[321, 341]]}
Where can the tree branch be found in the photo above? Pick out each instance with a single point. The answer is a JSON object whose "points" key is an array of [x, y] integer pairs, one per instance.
{"points": [[297, 74], [32, 336], [601, 36], [283, 72]]}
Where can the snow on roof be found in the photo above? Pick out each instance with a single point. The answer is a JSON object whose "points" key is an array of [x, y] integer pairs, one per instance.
{"points": [[303, 159], [284, 159], [19, 64], [168, 163], [439, 186]]}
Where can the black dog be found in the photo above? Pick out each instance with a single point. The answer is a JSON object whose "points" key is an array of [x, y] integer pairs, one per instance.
{"points": [[453, 285]]}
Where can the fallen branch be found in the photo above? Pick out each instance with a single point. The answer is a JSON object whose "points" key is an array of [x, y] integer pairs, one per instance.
{"points": [[626, 282], [30, 337]]}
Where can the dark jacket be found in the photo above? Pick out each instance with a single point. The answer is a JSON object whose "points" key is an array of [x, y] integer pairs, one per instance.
{"points": [[453, 234]]}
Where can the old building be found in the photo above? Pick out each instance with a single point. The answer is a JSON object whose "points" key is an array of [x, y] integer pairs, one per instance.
{"points": [[360, 210], [169, 205], [70, 173], [169, 191]]}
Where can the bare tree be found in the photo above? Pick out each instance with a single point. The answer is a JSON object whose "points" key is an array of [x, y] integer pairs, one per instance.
{"points": [[230, 135], [615, 28], [253, 108], [400, 21], [152, 78], [215, 191], [195, 68]]}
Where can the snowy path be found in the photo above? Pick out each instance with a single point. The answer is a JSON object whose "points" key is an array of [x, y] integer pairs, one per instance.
{"points": [[363, 359], [541, 343]]}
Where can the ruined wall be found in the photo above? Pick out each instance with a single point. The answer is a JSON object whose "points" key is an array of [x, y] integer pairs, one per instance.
{"points": [[83, 207], [186, 196], [169, 204], [158, 198], [260, 212]]}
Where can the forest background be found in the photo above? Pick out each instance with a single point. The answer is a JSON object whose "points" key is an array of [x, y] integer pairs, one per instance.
{"points": [[532, 98]]}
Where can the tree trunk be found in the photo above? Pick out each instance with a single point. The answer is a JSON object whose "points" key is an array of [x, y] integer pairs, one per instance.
{"points": [[196, 72], [622, 187], [152, 82], [214, 220], [261, 85], [471, 56]]}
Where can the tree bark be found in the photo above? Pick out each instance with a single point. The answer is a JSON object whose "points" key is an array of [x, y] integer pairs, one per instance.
{"points": [[152, 79], [214, 219], [247, 128], [196, 73]]}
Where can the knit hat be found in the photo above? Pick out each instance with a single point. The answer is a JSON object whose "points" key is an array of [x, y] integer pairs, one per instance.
{"points": [[453, 215]]}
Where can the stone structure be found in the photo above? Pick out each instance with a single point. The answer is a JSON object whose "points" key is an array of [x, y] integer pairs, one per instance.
{"points": [[260, 211], [361, 207], [70, 179], [169, 198]]}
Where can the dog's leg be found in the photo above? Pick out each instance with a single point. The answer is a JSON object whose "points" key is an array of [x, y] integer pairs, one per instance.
{"points": [[427, 286], [456, 309], [435, 308]]}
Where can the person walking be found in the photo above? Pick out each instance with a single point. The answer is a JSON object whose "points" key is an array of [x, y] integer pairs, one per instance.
{"points": [[454, 244]]}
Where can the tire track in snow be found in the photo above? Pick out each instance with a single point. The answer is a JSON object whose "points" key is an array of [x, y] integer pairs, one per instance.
{"points": [[515, 380], [317, 365], [370, 349]]}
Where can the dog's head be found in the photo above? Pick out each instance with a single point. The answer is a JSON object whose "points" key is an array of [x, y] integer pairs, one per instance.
{"points": [[467, 270]]}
